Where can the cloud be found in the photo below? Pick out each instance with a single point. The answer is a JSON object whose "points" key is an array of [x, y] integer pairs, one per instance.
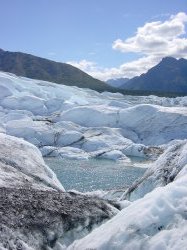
{"points": [[84, 65], [157, 38], [129, 69], [152, 42], [139, 66]]}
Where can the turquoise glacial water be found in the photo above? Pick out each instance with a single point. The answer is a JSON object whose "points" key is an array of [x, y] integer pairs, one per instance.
{"points": [[93, 174]]}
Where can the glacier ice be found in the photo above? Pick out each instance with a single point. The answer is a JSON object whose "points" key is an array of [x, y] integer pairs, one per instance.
{"points": [[21, 164], [51, 115], [78, 124], [156, 221]]}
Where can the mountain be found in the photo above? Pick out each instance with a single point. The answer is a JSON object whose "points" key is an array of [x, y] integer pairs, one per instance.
{"points": [[118, 82], [34, 67], [170, 75]]}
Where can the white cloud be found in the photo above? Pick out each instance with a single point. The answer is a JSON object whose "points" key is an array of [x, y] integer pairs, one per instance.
{"points": [[129, 69], [157, 38], [92, 69], [84, 65], [139, 66], [153, 41]]}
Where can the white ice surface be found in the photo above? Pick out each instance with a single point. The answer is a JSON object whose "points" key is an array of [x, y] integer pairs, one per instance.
{"points": [[48, 114], [161, 172], [156, 217], [22, 165], [157, 221]]}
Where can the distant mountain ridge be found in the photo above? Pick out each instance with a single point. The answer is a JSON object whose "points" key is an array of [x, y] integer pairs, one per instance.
{"points": [[118, 82], [168, 78], [170, 75], [30, 66]]}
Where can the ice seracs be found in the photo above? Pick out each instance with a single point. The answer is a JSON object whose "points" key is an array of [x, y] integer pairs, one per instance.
{"points": [[51, 115]]}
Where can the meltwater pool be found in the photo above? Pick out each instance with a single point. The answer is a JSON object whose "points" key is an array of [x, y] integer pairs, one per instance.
{"points": [[93, 174]]}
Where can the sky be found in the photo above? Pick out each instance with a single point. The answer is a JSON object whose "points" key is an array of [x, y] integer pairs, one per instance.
{"points": [[105, 38]]}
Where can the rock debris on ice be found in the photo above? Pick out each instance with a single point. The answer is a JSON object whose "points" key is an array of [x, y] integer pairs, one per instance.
{"points": [[35, 210]]}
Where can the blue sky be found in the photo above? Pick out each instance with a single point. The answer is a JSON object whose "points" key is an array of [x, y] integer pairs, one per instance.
{"points": [[92, 34]]}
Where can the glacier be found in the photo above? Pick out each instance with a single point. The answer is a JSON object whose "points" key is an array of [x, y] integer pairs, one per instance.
{"points": [[39, 118], [81, 123]]}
